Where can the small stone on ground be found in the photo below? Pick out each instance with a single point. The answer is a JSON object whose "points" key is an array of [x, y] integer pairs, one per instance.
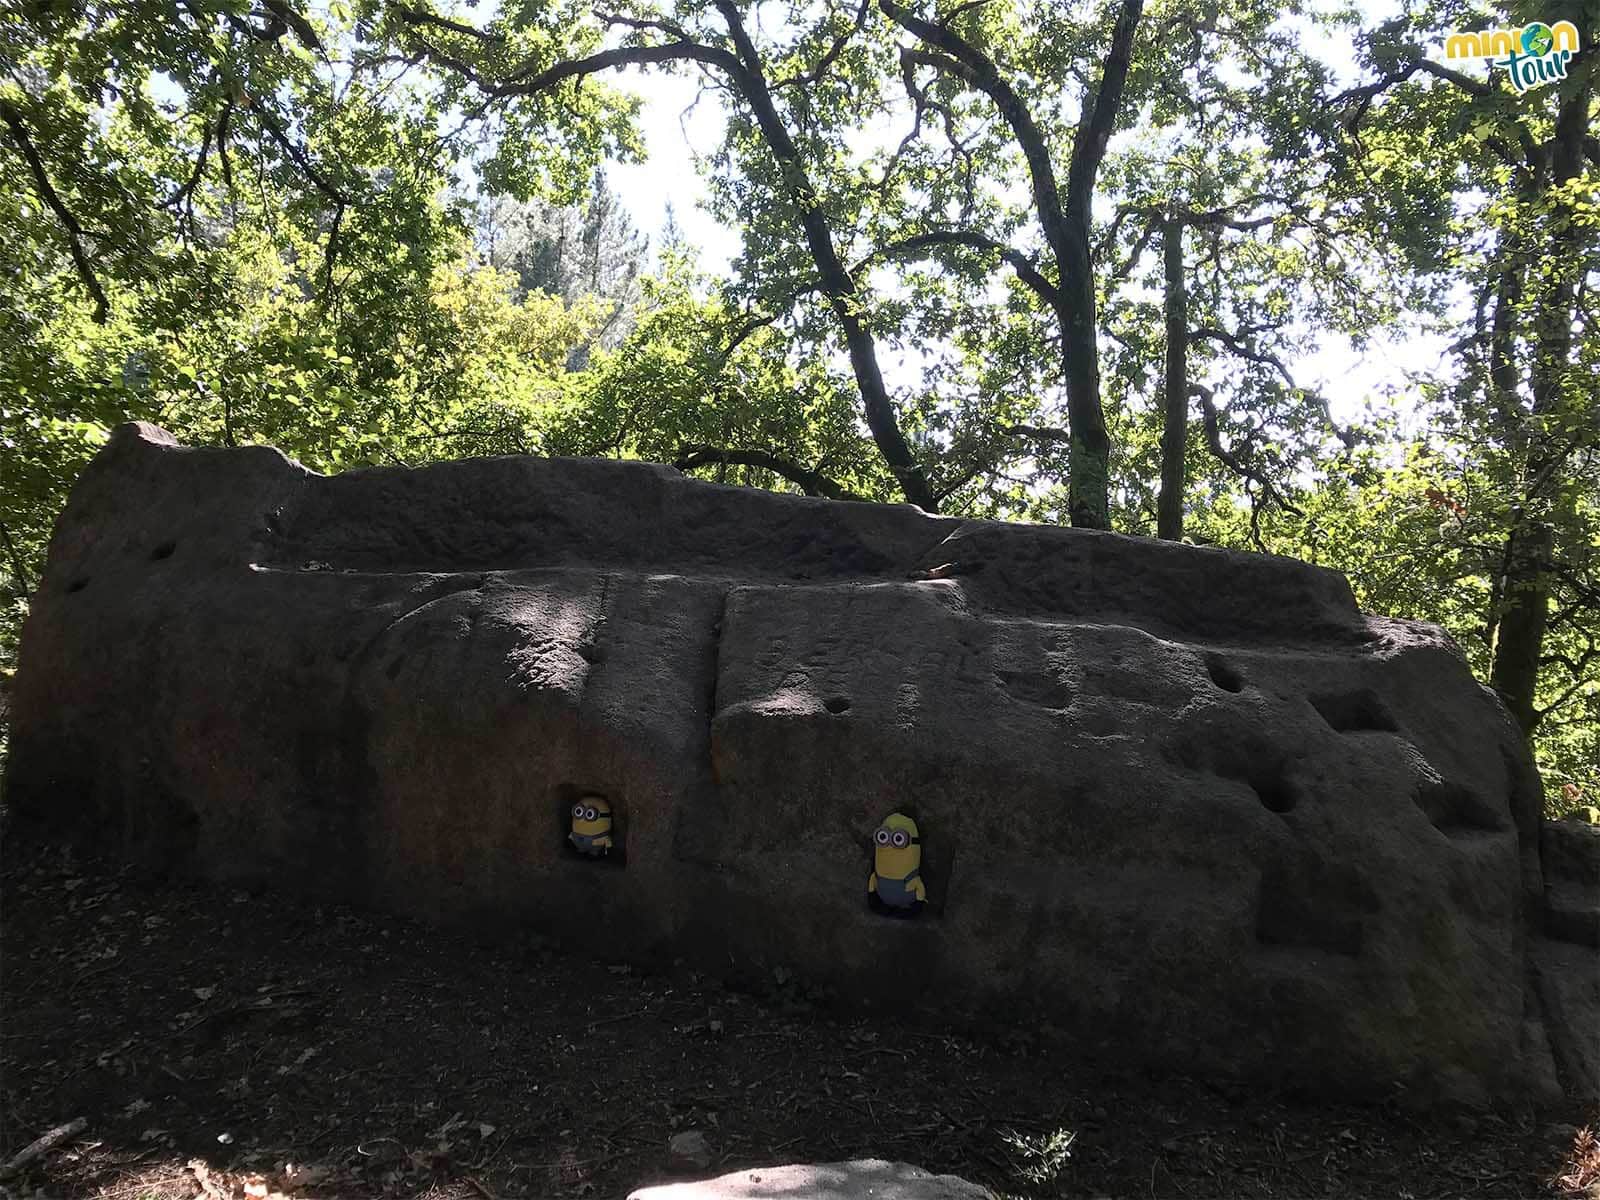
{"points": [[688, 1151]]}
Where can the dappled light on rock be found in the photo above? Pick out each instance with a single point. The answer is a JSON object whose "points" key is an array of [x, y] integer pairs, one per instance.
{"points": [[1181, 806]]}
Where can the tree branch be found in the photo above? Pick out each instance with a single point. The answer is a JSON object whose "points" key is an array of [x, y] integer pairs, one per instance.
{"points": [[1100, 114], [1244, 350], [332, 255], [743, 72], [830, 55], [914, 246], [302, 27], [1366, 93], [41, 179], [813, 483], [1213, 429], [521, 84], [18, 567], [295, 153], [837, 283], [417, 16], [1043, 433], [532, 80], [183, 197], [957, 57]]}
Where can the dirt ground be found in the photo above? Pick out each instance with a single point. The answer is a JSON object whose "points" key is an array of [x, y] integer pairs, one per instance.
{"points": [[221, 1044]]}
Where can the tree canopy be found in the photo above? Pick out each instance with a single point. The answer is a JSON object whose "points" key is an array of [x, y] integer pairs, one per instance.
{"points": [[1018, 259]]}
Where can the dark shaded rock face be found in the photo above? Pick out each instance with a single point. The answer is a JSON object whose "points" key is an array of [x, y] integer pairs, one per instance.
{"points": [[1178, 804], [1567, 958]]}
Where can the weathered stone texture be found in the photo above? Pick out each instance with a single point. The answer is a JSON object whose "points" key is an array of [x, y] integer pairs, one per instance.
{"points": [[1177, 803], [1567, 958]]}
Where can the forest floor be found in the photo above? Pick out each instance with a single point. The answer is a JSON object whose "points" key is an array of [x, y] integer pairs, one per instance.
{"points": [[221, 1044]]}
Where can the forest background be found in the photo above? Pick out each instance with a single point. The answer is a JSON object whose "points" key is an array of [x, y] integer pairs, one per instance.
{"points": [[1015, 259]]}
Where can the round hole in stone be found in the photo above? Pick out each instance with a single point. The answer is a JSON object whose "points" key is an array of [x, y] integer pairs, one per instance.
{"points": [[77, 585], [163, 551], [1276, 796], [1224, 676], [837, 704]]}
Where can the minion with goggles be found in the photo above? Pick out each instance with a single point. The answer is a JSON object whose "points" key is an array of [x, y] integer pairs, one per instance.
{"points": [[895, 886], [591, 826]]}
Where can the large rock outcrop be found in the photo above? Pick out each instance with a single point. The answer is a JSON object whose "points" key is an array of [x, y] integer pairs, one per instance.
{"points": [[1177, 803]]}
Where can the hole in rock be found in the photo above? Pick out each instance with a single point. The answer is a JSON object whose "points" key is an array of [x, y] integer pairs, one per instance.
{"points": [[1353, 712], [1043, 687], [1099, 721], [1224, 676], [837, 704], [1456, 810], [1276, 795], [595, 817], [163, 551], [1258, 763], [77, 585], [1311, 905], [937, 867]]}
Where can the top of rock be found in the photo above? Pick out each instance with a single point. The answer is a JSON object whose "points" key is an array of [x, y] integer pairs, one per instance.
{"points": [[520, 513]]}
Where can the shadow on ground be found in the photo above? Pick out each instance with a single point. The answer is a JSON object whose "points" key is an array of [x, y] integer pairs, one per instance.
{"points": [[226, 1044]]}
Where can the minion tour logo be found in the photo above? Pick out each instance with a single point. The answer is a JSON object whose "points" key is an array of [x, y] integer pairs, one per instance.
{"points": [[1534, 55]]}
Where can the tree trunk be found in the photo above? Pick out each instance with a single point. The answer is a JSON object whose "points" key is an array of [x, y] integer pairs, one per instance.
{"points": [[837, 283], [1089, 455], [1088, 487], [1065, 227], [1175, 428], [1519, 641], [1513, 421]]}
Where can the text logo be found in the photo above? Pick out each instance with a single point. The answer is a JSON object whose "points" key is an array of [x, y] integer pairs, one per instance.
{"points": [[1534, 55]]}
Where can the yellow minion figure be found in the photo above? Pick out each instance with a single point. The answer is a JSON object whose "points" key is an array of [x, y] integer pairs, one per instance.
{"points": [[895, 885], [591, 826]]}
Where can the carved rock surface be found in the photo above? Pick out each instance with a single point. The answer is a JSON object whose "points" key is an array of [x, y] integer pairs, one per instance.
{"points": [[1179, 804]]}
